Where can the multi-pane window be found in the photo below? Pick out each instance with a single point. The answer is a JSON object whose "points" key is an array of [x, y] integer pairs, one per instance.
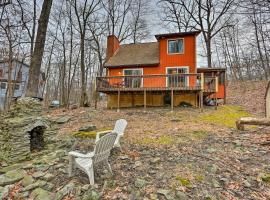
{"points": [[176, 46], [133, 81], [177, 80]]}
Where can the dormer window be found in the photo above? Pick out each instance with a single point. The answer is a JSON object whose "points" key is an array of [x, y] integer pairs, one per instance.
{"points": [[176, 46]]}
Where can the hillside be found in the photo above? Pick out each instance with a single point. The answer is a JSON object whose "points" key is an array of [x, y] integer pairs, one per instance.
{"points": [[249, 95]]}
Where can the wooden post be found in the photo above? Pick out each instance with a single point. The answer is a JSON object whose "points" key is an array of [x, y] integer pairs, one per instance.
{"points": [[144, 100], [216, 91], [118, 101], [96, 98], [202, 81], [201, 100], [172, 99]]}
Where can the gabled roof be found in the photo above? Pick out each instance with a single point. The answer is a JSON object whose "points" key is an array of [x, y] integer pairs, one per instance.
{"points": [[144, 54], [180, 34]]}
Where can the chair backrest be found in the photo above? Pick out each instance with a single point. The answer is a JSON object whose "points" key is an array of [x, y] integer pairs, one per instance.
{"points": [[120, 126], [103, 147]]}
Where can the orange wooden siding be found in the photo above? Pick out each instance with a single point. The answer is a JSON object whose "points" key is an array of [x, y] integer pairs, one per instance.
{"points": [[187, 59]]}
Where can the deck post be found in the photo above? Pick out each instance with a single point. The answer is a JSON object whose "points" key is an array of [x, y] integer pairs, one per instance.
{"points": [[172, 99], [216, 91], [144, 100], [201, 100], [118, 101]]}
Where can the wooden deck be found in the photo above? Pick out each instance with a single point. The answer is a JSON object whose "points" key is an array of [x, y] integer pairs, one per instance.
{"points": [[173, 83]]}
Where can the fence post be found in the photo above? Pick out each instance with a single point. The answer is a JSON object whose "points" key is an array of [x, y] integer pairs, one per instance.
{"points": [[118, 101]]}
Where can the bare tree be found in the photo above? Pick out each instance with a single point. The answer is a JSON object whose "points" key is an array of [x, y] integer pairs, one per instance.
{"points": [[35, 65]]}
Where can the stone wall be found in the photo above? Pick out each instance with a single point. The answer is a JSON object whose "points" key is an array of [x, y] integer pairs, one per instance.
{"points": [[15, 126]]}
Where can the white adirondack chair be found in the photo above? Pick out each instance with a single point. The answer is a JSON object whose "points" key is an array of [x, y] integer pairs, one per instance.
{"points": [[119, 128], [86, 162]]}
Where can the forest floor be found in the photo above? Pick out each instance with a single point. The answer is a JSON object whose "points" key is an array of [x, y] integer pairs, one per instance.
{"points": [[184, 154]]}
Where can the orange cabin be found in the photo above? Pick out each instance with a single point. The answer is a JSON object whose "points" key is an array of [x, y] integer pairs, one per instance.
{"points": [[162, 66]]}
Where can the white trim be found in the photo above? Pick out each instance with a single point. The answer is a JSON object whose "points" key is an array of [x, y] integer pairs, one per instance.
{"points": [[177, 67], [183, 52], [141, 69]]}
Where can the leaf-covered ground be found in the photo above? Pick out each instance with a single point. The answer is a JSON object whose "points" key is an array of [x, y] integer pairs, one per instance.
{"points": [[184, 154]]}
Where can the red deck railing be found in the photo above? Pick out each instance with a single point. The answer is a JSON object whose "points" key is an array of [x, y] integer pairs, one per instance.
{"points": [[181, 82]]}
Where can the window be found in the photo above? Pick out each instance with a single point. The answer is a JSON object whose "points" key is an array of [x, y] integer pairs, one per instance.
{"points": [[177, 81], [176, 46], [19, 76], [1, 72], [133, 82], [3, 86], [221, 78], [17, 87]]}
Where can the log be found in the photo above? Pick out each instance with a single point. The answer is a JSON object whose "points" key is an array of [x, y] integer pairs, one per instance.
{"points": [[251, 121]]}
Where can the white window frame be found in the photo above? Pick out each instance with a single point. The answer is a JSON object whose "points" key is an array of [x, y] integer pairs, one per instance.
{"points": [[177, 67], [141, 69], [174, 40]]}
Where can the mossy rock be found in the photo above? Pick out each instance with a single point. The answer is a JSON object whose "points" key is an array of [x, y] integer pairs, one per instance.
{"points": [[89, 134]]}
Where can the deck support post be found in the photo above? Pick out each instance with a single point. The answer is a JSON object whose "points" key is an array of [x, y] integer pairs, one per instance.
{"points": [[201, 100], [96, 98], [144, 100], [172, 99], [118, 101]]}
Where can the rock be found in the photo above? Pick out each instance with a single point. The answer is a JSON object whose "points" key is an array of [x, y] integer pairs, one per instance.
{"points": [[10, 168], [11, 177], [124, 157], [63, 120], [38, 174], [140, 183], [67, 189], [155, 160], [49, 186], [91, 195], [61, 165], [85, 187], [41, 194], [34, 185], [210, 150], [167, 193], [88, 128], [212, 168], [22, 195], [48, 177], [27, 180], [5, 191], [247, 184], [215, 183], [181, 196], [138, 164]]}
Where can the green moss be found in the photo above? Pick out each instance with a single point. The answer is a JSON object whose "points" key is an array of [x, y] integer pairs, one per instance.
{"points": [[266, 178], [163, 140], [183, 181], [225, 115], [89, 134], [199, 178]]}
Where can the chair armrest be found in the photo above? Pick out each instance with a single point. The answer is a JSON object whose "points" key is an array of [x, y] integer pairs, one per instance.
{"points": [[80, 155], [101, 132]]}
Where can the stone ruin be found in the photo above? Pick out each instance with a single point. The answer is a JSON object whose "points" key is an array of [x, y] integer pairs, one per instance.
{"points": [[23, 130]]}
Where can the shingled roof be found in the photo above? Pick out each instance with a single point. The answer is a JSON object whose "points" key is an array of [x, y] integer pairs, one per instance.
{"points": [[145, 54]]}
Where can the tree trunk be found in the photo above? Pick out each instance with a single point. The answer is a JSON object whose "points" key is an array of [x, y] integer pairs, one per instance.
{"points": [[83, 100], [35, 65]]}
